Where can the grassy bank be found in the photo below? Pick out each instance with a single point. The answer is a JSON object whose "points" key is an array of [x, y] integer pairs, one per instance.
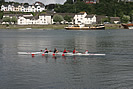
{"points": [[113, 26], [107, 26], [33, 26]]}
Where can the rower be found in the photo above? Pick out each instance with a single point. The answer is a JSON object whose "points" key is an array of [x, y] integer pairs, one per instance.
{"points": [[65, 51], [86, 52], [46, 50], [55, 50], [74, 51]]}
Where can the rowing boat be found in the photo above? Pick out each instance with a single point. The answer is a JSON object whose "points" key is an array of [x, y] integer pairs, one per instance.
{"points": [[59, 53]]}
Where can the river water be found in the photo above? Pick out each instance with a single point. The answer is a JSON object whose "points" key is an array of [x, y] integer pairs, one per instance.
{"points": [[113, 71]]}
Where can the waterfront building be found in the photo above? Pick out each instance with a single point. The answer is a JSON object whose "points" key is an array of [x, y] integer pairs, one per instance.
{"points": [[83, 18], [42, 19], [115, 20]]}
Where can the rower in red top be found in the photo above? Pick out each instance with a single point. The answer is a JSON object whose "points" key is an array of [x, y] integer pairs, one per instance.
{"points": [[74, 51], [65, 51]]}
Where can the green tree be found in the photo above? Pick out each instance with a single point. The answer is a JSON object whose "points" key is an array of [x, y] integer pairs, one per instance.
{"points": [[1, 14], [2, 1], [68, 18], [125, 19], [131, 16], [26, 4], [57, 18], [14, 19], [105, 20], [7, 19], [111, 8]]}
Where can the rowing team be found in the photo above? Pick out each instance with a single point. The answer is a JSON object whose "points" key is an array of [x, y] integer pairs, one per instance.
{"points": [[65, 51]]}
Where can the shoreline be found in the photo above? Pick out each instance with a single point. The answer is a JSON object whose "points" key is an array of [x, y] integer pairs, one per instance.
{"points": [[54, 27]]}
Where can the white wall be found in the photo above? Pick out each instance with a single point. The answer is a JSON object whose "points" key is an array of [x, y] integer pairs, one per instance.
{"points": [[81, 19], [43, 20]]}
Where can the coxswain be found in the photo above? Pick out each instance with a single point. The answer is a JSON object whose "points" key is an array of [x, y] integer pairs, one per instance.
{"points": [[86, 52], [46, 50], [55, 50], [74, 51]]}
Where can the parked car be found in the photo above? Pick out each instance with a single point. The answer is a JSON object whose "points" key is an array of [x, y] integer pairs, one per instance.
{"points": [[106, 22]]}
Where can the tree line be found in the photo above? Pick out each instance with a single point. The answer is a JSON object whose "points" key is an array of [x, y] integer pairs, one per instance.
{"points": [[111, 8]]}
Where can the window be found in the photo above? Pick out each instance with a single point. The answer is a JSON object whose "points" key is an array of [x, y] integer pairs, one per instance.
{"points": [[79, 21]]}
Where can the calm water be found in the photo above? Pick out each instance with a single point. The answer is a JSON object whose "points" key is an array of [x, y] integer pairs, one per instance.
{"points": [[113, 71]]}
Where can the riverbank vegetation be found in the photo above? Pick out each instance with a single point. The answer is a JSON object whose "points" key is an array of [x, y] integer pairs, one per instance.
{"points": [[52, 27], [111, 8]]}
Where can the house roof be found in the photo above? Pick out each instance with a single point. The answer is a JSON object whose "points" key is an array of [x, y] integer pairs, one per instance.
{"points": [[89, 16], [26, 6], [6, 5], [81, 13], [99, 18], [45, 14], [66, 14], [16, 5], [40, 3], [11, 15], [35, 17], [28, 17], [32, 17], [115, 18]]}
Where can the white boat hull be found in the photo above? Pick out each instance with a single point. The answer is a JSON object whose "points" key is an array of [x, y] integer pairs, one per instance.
{"points": [[60, 53], [131, 27]]}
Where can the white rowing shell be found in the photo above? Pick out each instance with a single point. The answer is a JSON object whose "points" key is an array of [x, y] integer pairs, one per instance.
{"points": [[59, 53]]}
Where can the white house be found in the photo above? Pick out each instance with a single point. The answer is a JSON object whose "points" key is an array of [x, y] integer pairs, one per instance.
{"points": [[37, 20], [90, 19], [9, 7], [45, 19], [4, 7], [80, 18], [33, 8], [40, 8], [30, 8], [83, 18], [37, 7], [25, 19]]}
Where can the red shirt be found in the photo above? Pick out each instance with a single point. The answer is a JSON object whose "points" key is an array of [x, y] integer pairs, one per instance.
{"points": [[74, 51], [64, 51]]}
